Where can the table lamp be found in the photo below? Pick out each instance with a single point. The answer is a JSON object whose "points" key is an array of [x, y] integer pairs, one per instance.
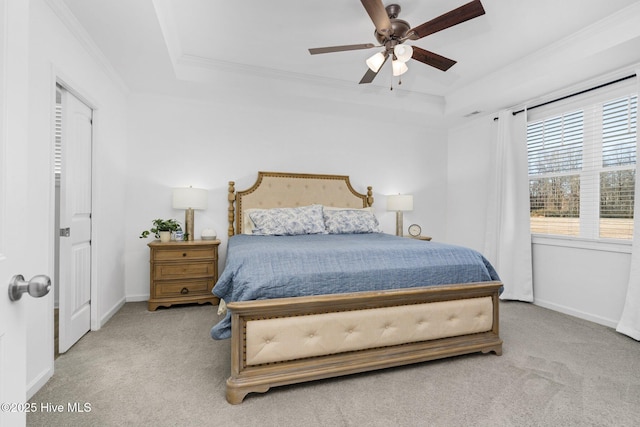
{"points": [[399, 203], [189, 198]]}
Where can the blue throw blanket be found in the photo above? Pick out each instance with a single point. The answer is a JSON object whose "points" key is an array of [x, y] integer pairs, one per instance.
{"points": [[265, 267]]}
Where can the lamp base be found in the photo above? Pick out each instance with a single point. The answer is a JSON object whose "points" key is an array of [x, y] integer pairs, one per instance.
{"points": [[188, 223], [399, 225]]}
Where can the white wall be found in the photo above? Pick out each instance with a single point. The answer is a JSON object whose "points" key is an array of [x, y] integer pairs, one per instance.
{"points": [[467, 179], [55, 53], [587, 280], [176, 142], [584, 281]]}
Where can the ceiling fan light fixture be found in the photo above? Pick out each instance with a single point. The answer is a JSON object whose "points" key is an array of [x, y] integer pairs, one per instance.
{"points": [[375, 62], [403, 52], [399, 68]]}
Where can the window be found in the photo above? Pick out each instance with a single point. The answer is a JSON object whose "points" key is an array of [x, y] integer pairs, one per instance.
{"points": [[582, 165]]}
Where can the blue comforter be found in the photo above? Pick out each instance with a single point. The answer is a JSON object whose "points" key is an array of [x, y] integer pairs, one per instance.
{"points": [[262, 267]]}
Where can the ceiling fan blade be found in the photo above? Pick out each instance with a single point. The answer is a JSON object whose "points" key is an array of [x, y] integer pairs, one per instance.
{"points": [[317, 50], [454, 17], [378, 15], [370, 74], [432, 59]]}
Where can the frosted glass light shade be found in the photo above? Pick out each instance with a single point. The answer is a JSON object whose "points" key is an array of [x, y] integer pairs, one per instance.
{"points": [[403, 52], [375, 62], [399, 68], [185, 198], [400, 202]]}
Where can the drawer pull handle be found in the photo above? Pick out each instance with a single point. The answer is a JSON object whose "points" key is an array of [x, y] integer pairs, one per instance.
{"points": [[184, 291], [184, 254]]}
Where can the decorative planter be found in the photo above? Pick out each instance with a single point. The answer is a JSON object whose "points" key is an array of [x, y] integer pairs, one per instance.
{"points": [[165, 236]]}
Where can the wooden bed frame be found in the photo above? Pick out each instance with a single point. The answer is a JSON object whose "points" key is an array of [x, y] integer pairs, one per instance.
{"points": [[277, 342]]}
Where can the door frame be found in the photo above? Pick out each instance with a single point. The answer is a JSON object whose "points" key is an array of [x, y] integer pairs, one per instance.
{"points": [[60, 78]]}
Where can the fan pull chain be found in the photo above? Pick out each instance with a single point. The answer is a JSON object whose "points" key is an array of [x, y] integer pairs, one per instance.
{"points": [[399, 82], [391, 78]]}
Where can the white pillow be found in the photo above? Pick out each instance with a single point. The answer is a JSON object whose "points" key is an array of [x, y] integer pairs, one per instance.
{"points": [[350, 221], [247, 224], [288, 221]]}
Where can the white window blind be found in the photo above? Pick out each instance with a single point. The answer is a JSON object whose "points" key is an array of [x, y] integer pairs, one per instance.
{"points": [[57, 148], [618, 175], [582, 161]]}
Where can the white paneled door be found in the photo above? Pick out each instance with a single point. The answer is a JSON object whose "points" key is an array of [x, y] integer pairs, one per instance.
{"points": [[14, 239], [75, 222]]}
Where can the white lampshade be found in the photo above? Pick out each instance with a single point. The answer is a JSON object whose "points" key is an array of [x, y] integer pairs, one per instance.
{"points": [[375, 62], [403, 52], [400, 202], [399, 68], [185, 198]]}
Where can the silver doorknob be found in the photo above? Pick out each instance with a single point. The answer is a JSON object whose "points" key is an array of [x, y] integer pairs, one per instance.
{"points": [[37, 287]]}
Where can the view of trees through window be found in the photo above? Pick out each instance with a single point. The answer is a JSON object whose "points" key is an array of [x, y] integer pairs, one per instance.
{"points": [[582, 171]]}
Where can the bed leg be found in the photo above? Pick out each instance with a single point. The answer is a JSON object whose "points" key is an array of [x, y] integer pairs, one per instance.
{"points": [[495, 349], [236, 393]]}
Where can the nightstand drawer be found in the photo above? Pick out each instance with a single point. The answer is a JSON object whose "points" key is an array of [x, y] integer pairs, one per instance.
{"points": [[180, 271], [185, 254], [183, 288]]}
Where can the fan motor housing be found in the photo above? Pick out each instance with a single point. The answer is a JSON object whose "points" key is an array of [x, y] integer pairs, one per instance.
{"points": [[399, 27]]}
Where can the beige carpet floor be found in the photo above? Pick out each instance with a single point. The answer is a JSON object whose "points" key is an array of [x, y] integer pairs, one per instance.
{"points": [[162, 369]]}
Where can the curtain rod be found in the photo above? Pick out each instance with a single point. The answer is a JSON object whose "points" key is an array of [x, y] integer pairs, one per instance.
{"points": [[573, 94]]}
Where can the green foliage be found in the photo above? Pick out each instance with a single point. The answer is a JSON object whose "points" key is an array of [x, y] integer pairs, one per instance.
{"points": [[161, 225]]}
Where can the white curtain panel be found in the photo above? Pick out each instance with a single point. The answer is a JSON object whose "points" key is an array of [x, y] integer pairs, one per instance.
{"points": [[508, 237], [630, 321]]}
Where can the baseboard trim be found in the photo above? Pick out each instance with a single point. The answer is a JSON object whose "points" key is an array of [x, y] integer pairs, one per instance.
{"points": [[39, 382], [576, 313], [109, 314], [137, 298]]}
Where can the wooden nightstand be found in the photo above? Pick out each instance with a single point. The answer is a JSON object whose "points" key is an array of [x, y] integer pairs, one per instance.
{"points": [[182, 272]]}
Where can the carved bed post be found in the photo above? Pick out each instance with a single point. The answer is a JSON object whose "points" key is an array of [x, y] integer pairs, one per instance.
{"points": [[232, 198], [369, 196]]}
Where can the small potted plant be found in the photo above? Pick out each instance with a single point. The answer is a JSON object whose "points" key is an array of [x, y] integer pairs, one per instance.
{"points": [[162, 229]]}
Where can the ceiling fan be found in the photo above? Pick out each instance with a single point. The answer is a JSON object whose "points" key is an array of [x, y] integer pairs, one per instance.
{"points": [[392, 32]]}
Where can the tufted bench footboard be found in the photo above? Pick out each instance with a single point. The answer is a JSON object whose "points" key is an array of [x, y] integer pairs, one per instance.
{"points": [[292, 340]]}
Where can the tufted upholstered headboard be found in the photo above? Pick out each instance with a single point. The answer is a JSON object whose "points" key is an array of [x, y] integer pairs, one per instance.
{"points": [[290, 190]]}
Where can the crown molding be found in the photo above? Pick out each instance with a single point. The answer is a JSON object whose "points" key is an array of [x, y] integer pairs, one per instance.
{"points": [[194, 68], [80, 34], [543, 65]]}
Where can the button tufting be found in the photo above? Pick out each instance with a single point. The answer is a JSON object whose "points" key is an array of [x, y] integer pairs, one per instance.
{"points": [[394, 325]]}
